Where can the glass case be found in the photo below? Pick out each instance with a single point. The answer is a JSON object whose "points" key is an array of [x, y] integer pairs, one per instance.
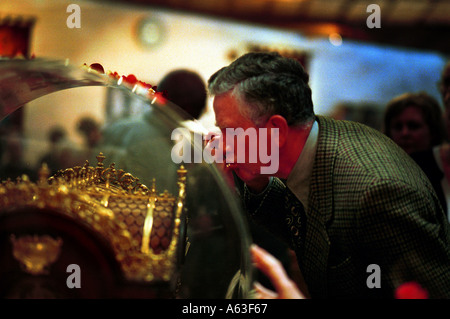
{"points": [[96, 204]]}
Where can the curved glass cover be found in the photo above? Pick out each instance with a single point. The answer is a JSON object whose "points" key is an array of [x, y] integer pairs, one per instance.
{"points": [[132, 130]]}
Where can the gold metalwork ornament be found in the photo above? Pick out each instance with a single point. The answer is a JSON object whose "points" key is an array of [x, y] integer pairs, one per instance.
{"points": [[148, 222], [114, 204], [36, 253]]}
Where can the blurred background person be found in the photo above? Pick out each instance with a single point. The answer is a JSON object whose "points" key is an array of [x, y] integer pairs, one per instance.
{"points": [[12, 162], [415, 122], [59, 155], [186, 89], [436, 163], [138, 144], [90, 130]]}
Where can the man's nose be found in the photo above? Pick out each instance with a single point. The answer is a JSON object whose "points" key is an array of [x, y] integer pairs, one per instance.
{"points": [[226, 149]]}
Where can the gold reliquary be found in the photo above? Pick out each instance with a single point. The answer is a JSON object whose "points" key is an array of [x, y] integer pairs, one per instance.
{"points": [[123, 238]]}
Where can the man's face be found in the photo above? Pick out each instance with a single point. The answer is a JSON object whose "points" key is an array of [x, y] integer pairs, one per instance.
{"points": [[245, 144]]}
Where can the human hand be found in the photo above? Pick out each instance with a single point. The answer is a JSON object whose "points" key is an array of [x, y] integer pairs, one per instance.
{"points": [[273, 269]]}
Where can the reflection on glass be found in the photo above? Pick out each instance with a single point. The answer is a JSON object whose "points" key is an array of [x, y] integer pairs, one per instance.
{"points": [[39, 125]]}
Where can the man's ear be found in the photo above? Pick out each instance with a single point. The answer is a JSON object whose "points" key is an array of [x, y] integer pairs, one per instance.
{"points": [[279, 122]]}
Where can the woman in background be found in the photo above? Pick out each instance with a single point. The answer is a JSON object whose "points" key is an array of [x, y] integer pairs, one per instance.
{"points": [[415, 122]]}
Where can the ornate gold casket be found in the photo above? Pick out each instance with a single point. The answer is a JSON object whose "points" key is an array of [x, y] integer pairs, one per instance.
{"points": [[125, 222]]}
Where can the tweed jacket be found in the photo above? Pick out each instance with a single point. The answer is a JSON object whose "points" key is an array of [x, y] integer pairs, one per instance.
{"points": [[427, 162], [370, 206]]}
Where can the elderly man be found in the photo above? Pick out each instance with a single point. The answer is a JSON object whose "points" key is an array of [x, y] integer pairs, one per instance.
{"points": [[359, 213]]}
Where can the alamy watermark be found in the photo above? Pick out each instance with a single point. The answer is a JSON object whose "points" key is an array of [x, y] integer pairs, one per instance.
{"points": [[74, 19], [235, 146], [374, 19], [374, 279], [74, 279]]}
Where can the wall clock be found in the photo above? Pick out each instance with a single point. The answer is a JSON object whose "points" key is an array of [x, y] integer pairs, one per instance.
{"points": [[150, 32]]}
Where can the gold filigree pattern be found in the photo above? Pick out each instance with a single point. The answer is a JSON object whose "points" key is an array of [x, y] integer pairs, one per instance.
{"points": [[142, 226]]}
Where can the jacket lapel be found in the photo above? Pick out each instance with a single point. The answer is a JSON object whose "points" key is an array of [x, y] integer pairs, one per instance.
{"points": [[320, 208]]}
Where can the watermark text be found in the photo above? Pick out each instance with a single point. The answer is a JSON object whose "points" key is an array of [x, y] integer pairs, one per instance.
{"points": [[74, 19], [235, 146]]}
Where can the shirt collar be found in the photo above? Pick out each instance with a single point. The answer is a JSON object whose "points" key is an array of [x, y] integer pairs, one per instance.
{"points": [[299, 178]]}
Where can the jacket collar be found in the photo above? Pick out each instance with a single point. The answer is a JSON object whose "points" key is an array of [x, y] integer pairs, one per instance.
{"points": [[319, 212]]}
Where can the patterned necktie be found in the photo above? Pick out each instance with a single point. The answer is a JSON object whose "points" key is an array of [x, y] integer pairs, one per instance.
{"points": [[296, 222]]}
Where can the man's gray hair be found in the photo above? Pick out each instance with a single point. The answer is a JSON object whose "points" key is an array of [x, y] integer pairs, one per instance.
{"points": [[266, 84]]}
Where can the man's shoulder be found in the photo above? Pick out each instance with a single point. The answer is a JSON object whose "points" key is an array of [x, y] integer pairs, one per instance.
{"points": [[345, 126], [351, 134], [365, 150]]}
